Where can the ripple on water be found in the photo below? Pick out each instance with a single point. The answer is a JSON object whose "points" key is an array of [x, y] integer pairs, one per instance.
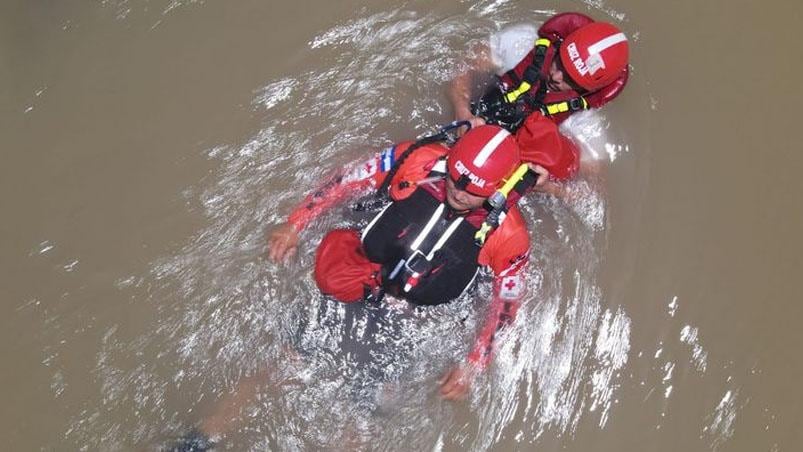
{"points": [[223, 312]]}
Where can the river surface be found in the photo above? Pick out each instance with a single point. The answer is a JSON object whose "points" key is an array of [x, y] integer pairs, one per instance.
{"points": [[149, 145]]}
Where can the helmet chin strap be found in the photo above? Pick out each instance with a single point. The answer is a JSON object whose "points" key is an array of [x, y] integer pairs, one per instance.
{"points": [[462, 182]]}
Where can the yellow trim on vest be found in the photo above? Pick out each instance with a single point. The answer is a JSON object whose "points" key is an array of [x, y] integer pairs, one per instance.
{"points": [[559, 107], [514, 179], [504, 191], [562, 107], [524, 87], [513, 95]]}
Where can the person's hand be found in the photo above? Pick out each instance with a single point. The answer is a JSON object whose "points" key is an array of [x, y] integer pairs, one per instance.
{"points": [[456, 383], [543, 174], [466, 115], [543, 184], [475, 121], [282, 242]]}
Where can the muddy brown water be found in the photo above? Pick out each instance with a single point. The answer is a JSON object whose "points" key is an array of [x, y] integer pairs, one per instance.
{"points": [[148, 145]]}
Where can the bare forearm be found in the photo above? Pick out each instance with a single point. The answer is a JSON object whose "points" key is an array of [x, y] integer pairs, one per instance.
{"points": [[477, 62], [460, 95]]}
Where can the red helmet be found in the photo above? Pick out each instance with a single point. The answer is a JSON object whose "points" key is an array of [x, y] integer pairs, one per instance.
{"points": [[482, 158], [594, 55]]}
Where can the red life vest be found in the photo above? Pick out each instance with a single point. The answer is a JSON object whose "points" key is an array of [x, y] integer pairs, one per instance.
{"points": [[557, 105]]}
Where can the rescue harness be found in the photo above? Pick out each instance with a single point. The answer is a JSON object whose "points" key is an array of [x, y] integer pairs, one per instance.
{"points": [[509, 108], [423, 258]]}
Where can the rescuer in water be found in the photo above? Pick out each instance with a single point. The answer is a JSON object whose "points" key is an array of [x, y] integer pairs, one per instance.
{"points": [[450, 213], [571, 63], [437, 232]]}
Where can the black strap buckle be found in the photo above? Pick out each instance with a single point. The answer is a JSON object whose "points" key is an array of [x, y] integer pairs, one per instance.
{"points": [[576, 104], [418, 263]]}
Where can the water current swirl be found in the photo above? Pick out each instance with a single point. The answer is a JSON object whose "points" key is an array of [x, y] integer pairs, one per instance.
{"points": [[222, 312]]}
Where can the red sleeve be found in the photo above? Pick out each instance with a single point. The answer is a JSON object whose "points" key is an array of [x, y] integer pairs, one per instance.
{"points": [[541, 142], [561, 25], [507, 253], [350, 180], [364, 176], [334, 190]]}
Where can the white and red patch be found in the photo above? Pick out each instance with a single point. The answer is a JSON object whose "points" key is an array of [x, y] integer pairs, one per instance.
{"points": [[363, 171], [512, 287]]}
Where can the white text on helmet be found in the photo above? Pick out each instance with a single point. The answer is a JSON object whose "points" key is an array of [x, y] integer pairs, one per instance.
{"points": [[475, 180], [574, 55]]}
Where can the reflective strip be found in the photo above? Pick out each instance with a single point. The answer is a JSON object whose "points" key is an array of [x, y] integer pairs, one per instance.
{"points": [[396, 269], [603, 44], [373, 222], [560, 107], [543, 42], [525, 86], [513, 95], [444, 237], [428, 228], [490, 147], [440, 167]]}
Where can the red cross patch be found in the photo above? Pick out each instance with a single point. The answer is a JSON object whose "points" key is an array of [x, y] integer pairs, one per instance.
{"points": [[363, 171], [511, 287]]}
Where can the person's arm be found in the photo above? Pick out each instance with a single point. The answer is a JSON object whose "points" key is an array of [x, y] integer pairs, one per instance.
{"points": [[460, 88], [508, 293], [370, 174], [283, 240], [508, 259]]}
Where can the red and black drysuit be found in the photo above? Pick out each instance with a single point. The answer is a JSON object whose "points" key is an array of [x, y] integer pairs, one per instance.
{"points": [[417, 248], [561, 104]]}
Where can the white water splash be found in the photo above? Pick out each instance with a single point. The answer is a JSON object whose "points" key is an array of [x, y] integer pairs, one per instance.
{"points": [[602, 6], [699, 357], [613, 345], [224, 312], [278, 91], [38, 93], [672, 307], [124, 8], [721, 421]]}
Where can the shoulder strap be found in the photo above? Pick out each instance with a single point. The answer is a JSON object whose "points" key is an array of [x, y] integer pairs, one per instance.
{"points": [[572, 104], [532, 74], [501, 201]]}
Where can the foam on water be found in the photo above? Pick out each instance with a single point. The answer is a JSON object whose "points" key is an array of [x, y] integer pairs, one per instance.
{"points": [[223, 312]]}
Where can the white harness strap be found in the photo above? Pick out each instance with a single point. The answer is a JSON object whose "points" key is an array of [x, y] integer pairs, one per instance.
{"points": [[428, 228], [448, 233], [415, 246], [373, 222]]}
